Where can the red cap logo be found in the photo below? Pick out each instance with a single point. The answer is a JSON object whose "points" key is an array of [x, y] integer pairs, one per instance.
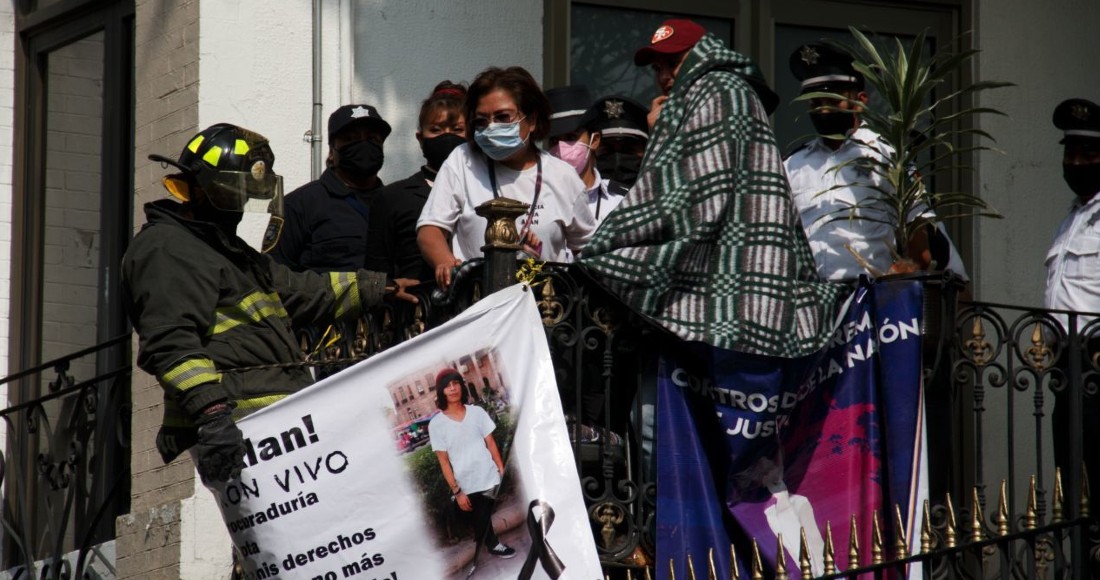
{"points": [[662, 33]]}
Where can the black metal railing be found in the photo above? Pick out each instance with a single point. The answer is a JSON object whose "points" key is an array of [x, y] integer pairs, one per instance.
{"points": [[998, 509], [66, 470]]}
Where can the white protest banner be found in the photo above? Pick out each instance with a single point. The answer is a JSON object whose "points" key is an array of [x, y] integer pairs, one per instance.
{"points": [[342, 480]]}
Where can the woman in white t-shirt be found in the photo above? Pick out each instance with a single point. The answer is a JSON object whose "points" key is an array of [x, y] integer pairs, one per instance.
{"points": [[462, 439], [508, 113]]}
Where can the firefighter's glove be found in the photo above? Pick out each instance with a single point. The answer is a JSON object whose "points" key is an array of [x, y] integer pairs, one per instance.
{"points": [[220, 446]]}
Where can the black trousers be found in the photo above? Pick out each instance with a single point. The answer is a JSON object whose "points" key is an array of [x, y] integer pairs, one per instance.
{"points": [[483, 519]]}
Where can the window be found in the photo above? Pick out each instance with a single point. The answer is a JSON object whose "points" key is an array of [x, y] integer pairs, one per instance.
{"points": [[72, 219]]}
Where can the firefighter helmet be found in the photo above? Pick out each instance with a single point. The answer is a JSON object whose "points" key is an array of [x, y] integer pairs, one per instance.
{"points": [[231, 165]]}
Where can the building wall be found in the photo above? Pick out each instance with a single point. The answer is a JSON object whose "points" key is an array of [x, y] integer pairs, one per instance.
{"points": [[165, 116], [403, 48], [1025, 183]]}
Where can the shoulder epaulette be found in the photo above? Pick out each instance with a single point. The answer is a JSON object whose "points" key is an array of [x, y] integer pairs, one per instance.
{"points": [[616, 187], [796, 150]]}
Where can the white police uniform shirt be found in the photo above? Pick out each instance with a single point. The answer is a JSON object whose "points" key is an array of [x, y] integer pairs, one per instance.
{"points": [[1073, 262], [562, 220], [823, 194], [603, 198]]}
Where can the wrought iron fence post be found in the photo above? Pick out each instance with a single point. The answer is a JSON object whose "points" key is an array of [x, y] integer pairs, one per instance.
{"points": [[501, 241], [1076, 428]]}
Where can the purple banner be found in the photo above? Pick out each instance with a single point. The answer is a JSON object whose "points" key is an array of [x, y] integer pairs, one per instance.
{"points": [[757, 447]]}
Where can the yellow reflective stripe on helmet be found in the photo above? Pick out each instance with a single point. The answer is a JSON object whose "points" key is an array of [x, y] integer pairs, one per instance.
{"points": [[345, 287], [240, 147], [213, 155], [193, 146], [190, 373], [252, 308], [246, 407]]}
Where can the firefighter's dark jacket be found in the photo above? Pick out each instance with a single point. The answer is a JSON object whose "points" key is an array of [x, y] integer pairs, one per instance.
{"points": [[204, 303]]}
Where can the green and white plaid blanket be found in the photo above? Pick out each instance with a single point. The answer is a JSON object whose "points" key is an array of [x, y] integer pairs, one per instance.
{"points": [[708, 243]]}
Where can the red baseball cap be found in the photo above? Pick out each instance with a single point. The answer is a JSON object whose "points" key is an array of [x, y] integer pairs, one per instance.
{"points": [[672, 37]]}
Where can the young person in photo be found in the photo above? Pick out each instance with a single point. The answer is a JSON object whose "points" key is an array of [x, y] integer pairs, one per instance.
{"points": [[462, 439]]}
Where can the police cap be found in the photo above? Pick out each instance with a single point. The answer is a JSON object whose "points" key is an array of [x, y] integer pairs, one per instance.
{"points": [[571, 109], [365, 114], [1078, 118], [821, 67], [618, 116]]}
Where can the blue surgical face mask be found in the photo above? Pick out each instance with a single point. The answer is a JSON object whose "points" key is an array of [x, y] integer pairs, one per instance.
{"points": [[500, 140]]}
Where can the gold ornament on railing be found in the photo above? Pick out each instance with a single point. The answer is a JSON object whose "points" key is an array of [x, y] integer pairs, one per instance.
{"points": [[853, 544], [901, 542], [1031, 516], [780, 559], [830, 554], [1002, 510], [925, 530], [500, 223], [981, 352], [1039, 355], [877, 547], [805, 565], [671, 570], [712, 569], [976, 518], [691, 568], [757, 562], [1056, 512], [735, 568], [950, 535], [608, 515]]}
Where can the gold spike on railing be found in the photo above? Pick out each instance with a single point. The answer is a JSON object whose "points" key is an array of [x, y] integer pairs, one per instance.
{"points": [[629, 575], [735, 568], [1056, 512], [1002, 510], [949, 535], [671, 570], [712, 570], [805, 565], [1031, 516], [780, 559], [691, 568], [829, 556], [901, 542], [877, 547], [648, 576], [853, 544], [757, 563], [925, 530], [976, 517], [1084, 490]]}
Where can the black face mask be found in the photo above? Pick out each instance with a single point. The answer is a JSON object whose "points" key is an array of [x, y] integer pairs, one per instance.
{"points": [[361, 159], [620, 167], [834, 123], [436, 149], [225, 220], [1084, 180]]}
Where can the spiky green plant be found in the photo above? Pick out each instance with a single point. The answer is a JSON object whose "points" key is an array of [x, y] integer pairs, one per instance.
{"points": [[920, 135]]}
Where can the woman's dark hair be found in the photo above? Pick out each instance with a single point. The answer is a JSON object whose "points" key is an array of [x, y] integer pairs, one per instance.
{"points": [[521, 86], [446, 96], [443, 379]]}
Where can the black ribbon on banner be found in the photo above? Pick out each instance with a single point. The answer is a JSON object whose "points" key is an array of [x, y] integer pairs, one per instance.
{"points": [[540, 548]]}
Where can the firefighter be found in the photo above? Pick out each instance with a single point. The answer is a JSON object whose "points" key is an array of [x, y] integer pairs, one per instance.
{"points": [[213, 315]]}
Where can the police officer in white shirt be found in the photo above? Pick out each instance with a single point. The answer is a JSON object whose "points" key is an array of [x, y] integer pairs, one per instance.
{"points": [[1073, 266], [823, 194], [571, 140], [624, 134]]}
